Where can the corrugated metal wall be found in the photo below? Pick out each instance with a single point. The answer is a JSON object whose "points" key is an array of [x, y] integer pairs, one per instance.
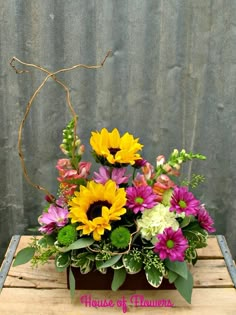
{"points": [[170, 80]]}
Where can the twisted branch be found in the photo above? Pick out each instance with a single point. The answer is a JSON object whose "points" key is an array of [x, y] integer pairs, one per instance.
{"points": [[29, 105]]}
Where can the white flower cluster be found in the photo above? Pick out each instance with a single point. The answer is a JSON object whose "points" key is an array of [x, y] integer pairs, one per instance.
{"points": [[155, 220]]}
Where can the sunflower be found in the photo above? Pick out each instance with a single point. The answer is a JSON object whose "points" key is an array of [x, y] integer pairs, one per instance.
{"points": [[114, 148], [95, 206]]}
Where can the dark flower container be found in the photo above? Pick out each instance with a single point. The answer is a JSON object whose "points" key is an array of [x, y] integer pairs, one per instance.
{"points": [[95, 280]]}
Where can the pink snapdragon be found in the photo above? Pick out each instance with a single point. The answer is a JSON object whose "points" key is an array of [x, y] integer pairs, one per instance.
{"points": [[163, 183]]}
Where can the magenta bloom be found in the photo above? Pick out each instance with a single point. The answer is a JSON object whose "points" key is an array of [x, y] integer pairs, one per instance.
{"points": [[56, 217], [140, 198], [205, 220], [140, 163], [184, 201], [172, 244], [117, 175]]}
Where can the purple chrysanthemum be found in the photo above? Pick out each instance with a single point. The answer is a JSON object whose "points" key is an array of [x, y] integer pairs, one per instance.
{"points": [[205, 220], [184, 201], [140, 198], [117, 175], [172, 244], [55, 217]]}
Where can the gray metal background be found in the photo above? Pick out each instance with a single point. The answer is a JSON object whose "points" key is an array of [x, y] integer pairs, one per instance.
{"points": [[170, 80]]}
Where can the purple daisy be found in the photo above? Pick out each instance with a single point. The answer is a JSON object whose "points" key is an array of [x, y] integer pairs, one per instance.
{"points": [[140, 198], [172, 244], [117, 175], [55, 217], [184, 201], [205, 220]]}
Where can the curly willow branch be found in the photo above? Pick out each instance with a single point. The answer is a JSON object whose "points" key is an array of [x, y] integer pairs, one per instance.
{"points": [[29, 105]]}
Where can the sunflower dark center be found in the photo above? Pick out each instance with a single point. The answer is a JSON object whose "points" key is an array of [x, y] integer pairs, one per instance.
{"points": [[95, 209], [114, 150]]}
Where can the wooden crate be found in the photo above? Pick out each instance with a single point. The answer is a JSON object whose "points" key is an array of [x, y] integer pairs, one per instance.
{"points": [[43, 291]]}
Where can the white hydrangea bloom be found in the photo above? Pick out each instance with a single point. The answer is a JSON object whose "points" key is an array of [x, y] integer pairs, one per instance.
{"points": [[155, 220]]}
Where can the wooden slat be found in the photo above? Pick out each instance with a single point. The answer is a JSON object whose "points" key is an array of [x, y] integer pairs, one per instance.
{"points": [[45, 276], [211, 273], [53, 302], [211, 251]]}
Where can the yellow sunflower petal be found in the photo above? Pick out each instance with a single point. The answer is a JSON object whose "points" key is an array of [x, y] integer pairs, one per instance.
{"points": [[92, 195], [126, 147]]}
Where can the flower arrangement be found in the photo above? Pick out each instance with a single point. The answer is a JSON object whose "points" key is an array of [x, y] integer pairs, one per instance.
{"points": [[128, 215]]}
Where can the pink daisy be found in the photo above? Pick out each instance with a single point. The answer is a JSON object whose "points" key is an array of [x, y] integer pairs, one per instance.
{"points": [[55, 217], [205, 220], [184, 201], [117, 175], [140, 198], [172, 244]]}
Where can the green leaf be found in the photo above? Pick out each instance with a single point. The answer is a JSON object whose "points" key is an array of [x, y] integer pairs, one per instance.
{"points": [[118, 265], [33, 229], [72, 284], [81, 243], [153, 275], [47, 240], [84, 261], [118, 278], [172, 276], [185, 286], [111, 261], [23, 256], [62, 261], [178, 267], [185, 221], [132, 265]]}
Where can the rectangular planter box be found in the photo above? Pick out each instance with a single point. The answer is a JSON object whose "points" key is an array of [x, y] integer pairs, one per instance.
{"points": [[95, 280]]}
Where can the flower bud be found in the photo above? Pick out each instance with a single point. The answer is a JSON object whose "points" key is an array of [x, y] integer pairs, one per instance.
{"points": [[160, 160]]}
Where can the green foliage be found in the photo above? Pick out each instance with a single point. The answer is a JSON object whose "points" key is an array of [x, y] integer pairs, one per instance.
{"points": [[185, 286], [133, 261], [72, 284], [195, 181], [84, 261], [62, 261], [81, 243], [111, 261], [23, 256], [178, 267], [195, 235], [154, 268], [153, 275], [118, 278]]}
